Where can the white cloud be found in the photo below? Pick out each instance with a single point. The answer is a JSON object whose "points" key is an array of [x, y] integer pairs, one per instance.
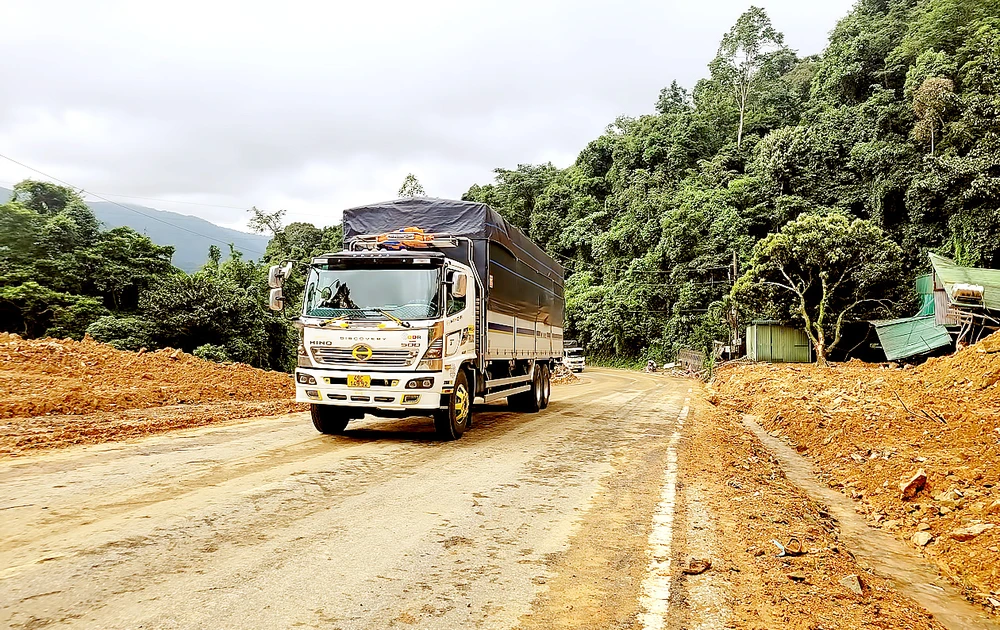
{"points": [[317, 106]]}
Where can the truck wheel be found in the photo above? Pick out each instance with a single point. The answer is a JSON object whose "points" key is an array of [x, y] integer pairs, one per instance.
{"points": [[546, 386], [452, 421], [531, 400], [329, 419]]}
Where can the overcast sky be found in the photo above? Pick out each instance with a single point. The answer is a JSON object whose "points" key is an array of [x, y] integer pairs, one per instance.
{"points": [[318, 106]]}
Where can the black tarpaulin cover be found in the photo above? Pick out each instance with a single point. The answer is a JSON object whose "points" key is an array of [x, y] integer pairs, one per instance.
{"points": [[440, 216], [468, 219]]}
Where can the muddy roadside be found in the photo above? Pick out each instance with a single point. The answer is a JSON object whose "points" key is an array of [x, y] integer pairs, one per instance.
{"points": [[732, 501], [777, 557], [916, 449], [56, 393]]}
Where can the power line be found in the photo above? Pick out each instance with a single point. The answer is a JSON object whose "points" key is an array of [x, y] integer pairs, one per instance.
{"points": [[318, 215], [115, 203], [188, 203]]}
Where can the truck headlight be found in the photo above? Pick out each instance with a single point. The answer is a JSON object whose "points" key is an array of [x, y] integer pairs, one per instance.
{"points": [[435, 349], [305, 379], [420, 383]]}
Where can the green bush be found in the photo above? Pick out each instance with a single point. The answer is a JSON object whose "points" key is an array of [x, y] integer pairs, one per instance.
{"points": [[72, 319], [212, 352], [124, 333]]}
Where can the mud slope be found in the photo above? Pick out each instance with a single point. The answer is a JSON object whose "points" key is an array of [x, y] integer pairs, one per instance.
{"points": [[59, 392], [869, 428]]}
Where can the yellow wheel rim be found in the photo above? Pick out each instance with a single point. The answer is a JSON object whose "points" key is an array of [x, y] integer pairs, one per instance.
{"points": [[461, 403]]}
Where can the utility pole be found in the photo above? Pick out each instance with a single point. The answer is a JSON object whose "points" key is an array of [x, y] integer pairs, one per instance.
{"points": [[734, 322]]}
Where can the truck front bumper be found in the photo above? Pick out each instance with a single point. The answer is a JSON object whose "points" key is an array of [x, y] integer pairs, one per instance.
{"points": [[388, 390]]}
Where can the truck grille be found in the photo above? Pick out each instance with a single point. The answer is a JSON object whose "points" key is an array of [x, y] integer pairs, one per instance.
{"points": [[379, 358]]}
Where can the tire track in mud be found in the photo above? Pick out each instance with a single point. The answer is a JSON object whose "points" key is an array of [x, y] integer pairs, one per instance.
{"points": [[596, 582]]}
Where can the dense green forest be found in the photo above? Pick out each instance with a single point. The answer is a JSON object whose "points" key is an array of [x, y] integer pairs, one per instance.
{"points": [[826, 179], [61, 275], [896, 124]]}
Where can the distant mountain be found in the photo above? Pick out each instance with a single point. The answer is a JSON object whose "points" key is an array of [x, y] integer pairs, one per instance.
{"points": [[190, 236]]}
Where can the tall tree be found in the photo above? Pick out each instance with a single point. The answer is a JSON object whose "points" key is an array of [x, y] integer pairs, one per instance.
{"points": [[824, 269], [411, 187], [674, 99], [746, 58], [930, 102]]}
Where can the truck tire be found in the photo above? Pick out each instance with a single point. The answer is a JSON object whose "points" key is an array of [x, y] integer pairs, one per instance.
{"points": [[546, 386], [452, 421], [329, 419], [531, 400]]}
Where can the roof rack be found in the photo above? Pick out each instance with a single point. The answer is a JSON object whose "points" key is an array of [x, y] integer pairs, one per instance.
{"points": [[406, 238]]}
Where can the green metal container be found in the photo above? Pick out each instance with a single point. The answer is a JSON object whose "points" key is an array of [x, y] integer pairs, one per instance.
{"points": [[772, 342]]}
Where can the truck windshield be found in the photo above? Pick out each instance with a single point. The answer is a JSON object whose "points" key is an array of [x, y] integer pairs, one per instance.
{"points": [[574, 352], [362, 293]]}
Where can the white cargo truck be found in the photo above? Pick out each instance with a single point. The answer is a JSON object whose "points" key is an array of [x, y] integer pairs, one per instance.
{"points": [[433, 305], [573, 356]]}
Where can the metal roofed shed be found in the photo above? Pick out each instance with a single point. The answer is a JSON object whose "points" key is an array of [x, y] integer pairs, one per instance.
{"points": [[948, 274], [966, 299], [770, 341], [911, 336]]}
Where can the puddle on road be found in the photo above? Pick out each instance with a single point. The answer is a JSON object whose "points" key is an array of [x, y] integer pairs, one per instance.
{"points": [[912, 575]]}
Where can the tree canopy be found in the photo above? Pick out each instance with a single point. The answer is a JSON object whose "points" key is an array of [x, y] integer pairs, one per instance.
{"points": [[821, 269], [61, 275], [411, 187]]}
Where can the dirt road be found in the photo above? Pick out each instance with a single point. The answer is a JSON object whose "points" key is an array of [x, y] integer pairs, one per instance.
{"points": [[580, 516]]}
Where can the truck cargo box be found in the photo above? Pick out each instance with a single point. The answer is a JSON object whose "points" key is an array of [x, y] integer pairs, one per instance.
{"points": [[522, 314]]}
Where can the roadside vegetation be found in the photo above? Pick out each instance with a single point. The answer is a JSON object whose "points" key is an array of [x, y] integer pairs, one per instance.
{"points": [[62, 276]]}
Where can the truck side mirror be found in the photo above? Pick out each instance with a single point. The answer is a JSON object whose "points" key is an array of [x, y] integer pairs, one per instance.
{"points": [[277, 300], [274, 277], [460, 286], [277, 275]]}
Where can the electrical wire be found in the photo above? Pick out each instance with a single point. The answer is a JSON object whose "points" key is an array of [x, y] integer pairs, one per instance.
{"points": [[187, 203], [115, 203]]}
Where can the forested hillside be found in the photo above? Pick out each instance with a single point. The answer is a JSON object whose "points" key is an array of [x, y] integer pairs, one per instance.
{"points": [[189, 236], [62, 275], [897, 124]]}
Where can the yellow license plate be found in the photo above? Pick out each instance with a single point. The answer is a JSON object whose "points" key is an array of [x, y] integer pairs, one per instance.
{"points": [[359, 380]]}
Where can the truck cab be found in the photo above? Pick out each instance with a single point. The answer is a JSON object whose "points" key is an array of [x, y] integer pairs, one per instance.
{"points": [[573, 357], [384, 331]]}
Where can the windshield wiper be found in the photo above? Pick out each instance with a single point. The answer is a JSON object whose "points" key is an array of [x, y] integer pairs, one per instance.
{"points": [[381, 311], [330, 321]]}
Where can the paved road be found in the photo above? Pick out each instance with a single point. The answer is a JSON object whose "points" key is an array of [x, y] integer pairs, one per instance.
{"points": [[527, 521]]}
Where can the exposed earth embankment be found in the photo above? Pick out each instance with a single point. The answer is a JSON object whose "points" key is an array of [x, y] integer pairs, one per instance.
{"points": [[917, 448]]}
